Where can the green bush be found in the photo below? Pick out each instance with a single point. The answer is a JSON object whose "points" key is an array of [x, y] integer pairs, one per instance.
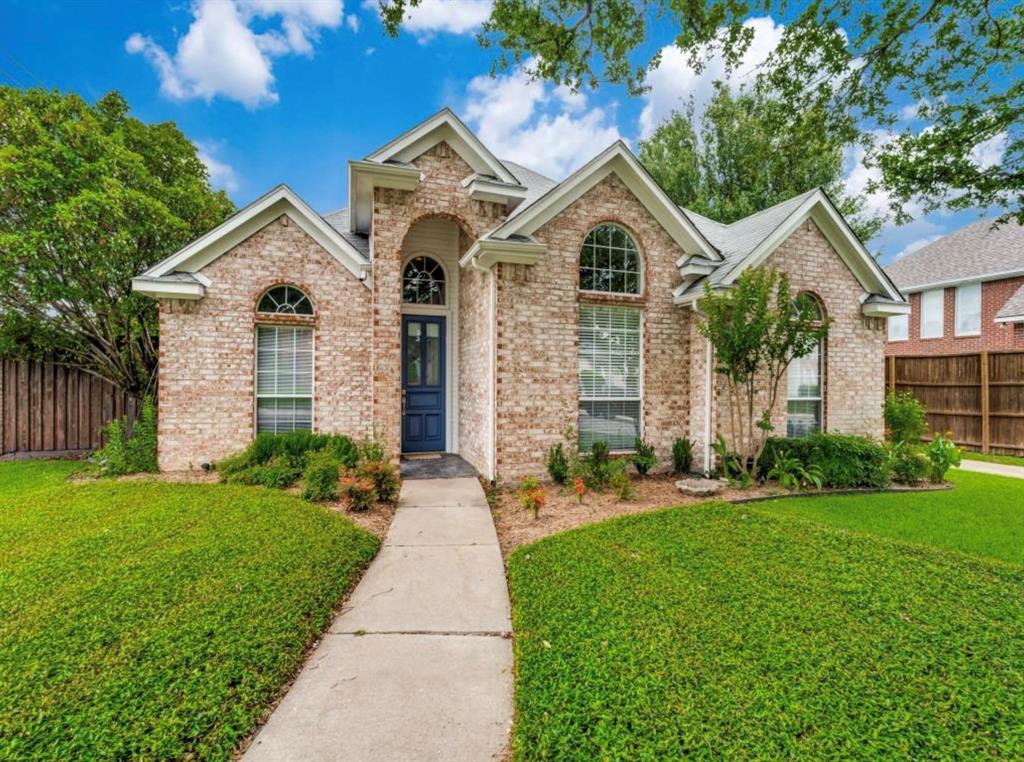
{"points": [[904, 417], [942, 454], [358, 492], [295, 446], [558, 464], [622, 484], [384, 478], [644, 458], [279, 472], [682, 455], [907, 462], [129, 449], [320, 479], [844, 460], [792, 474], [597, 466], [372, 449]]}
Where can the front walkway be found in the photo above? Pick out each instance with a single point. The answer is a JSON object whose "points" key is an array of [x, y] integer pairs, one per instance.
{"points": [[996, 469], [418, 666]]}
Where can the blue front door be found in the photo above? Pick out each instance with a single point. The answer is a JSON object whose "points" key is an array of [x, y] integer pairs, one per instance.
{"points": [[423, 403]]}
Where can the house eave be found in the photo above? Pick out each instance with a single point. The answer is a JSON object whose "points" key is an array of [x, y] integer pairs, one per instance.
{"points": [[488, 189], [168, 289], [950, 283], [884, 309], [486, 252]]}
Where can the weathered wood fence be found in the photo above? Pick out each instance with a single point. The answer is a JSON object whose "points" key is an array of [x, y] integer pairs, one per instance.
{"points": [[49, 410], [978, 397]]}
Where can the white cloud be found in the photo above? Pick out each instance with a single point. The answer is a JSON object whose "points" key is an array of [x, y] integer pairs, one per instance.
{"points": [[433, 16], [675, 81], [222, 174], [352, 22], [916, 244], [548, 129], [221, 54], [860, 177], [989, 152]]}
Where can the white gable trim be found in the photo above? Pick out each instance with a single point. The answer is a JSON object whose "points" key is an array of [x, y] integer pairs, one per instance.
{"points": [[617, 159], [444, 126], [282, 200], [819, 208]]}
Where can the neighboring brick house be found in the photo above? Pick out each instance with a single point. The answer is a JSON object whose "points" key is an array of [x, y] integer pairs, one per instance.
{"points": [[966, 293], [470, 305]]}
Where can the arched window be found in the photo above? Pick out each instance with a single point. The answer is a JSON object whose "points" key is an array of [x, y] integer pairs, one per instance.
{"points": [[284, 364], [805, 403], [610, 261], [423, 282], [285, 300]]}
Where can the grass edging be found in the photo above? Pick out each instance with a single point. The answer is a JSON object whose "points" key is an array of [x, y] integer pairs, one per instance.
{"points": [[944, 487]]}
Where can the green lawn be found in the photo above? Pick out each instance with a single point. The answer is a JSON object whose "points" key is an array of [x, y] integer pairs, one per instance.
{"points": [[724, 632], [983, 516], [1008, 460], [18, 477], [146, 620]]}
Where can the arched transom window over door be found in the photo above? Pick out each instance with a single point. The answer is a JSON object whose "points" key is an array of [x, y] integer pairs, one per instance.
{"points": [[423, 282], [610, 261], [805, 403]]}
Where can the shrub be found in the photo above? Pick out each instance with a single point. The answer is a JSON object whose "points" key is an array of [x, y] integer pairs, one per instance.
{"points": [[643, 458], [320, 479], [384, 478], [597, 467], [531, 495], [344, 450], [129, 449], [371, 449], [728, 461], [358, 492], [942, 454], [792, 474], [622, 484], [904, 417], [279, 472], [295, 446], [845, 461], [907, 462], [558, 464], [579, 488], [682, 455]]}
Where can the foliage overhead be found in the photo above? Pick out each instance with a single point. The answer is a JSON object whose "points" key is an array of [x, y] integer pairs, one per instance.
{"points": [[89, 198], [734, 160], [956, 64]]}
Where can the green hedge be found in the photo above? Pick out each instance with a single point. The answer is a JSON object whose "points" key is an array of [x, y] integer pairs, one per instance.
{"points": [[845, 461]]}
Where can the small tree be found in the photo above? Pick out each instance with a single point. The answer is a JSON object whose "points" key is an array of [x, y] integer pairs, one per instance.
{"points": [[757, 329]]}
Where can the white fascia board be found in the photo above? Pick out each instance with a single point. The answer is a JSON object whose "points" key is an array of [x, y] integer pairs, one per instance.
{"points": [[484, 253], [691, 299], [363, 177], [987, 278], [695, 269], [168, 289], [485, 189], [251, 219], [444, 126], [1010, 319], [838, 233], [616, 158], [884, 309]]}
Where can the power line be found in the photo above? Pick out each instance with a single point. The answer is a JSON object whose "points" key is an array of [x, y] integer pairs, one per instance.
{"points": [[24, 68]]}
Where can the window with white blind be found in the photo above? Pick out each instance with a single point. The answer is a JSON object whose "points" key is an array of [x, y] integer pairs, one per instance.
{"points": [[899, 327], [968, 310], [932, 316], [284, 378], [609, 376], [803, 409]]}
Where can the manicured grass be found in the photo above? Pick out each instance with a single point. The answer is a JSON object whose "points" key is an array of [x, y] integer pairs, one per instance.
{"points": [[1008, 460], [983, 515], [147, 620], [20, 476], [722, 632]]}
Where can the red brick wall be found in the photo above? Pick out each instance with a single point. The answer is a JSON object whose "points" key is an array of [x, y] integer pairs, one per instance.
{"points": [[994, 336]]}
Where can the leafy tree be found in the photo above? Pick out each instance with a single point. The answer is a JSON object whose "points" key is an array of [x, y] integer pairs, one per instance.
{"points": [[742, 161], [757, 329], [89, 198], [958, 60]]}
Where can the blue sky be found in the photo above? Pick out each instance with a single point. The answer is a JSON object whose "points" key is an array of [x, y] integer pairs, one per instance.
{"points": [[290, 90]]}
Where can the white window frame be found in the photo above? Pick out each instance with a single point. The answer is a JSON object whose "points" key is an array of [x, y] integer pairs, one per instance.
{"points": [[903, 320], [820, 398], [639, 263], [639, 399], [934, 294], [256, 364], [960, 291]]}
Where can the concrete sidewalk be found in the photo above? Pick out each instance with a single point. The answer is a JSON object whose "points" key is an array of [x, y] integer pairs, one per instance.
{"points": [[419, 664], [996, 469]]}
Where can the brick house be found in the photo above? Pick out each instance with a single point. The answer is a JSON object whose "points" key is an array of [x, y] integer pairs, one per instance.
{"points": [[470, 305], [966, 293]]}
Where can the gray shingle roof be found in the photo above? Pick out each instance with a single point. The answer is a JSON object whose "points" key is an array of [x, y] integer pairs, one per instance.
{"points": [[339, 221], [1014, 307], [536, 184], [975, 252]]}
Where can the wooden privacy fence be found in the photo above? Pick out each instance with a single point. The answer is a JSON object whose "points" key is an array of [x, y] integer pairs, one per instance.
{"points": [[978, 397], [49, 410]]}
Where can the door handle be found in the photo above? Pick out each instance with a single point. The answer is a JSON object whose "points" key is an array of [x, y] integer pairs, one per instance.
{"points": [[403, 401]]}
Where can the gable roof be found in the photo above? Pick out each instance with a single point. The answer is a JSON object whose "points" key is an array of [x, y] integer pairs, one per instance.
{"points": [[976, 252], [239, 226], [535, 183], [1013, 310], [750, 241], [617, 159]]}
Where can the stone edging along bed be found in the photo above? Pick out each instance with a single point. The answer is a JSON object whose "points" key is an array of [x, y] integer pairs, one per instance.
{"points": [[829, 492]]}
